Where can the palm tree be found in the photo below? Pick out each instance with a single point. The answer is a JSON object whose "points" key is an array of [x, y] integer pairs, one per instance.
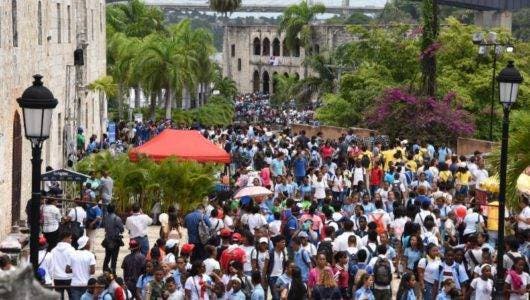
{"points": [[134, 18], [105, 86], [224, 7], [296, 21], [226, 86]]}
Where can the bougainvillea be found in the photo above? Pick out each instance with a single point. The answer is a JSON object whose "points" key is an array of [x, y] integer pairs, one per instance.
{"points": [[401, 114]]}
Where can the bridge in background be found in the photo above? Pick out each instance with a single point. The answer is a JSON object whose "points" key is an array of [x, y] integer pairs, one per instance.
{"points": [[277, 6]]}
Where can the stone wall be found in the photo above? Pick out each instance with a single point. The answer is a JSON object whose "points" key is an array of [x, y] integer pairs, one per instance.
{"points": [[467, 146], [330, 132], [241, 63], [39, 51]]}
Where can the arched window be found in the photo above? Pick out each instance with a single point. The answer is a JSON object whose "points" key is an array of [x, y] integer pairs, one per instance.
{"points": [[286, 75], [266, 47], [266, 85], [257, 46], [255, 81], [274, 82], [285, 49], [276, 47], [296, 50], [297, 76]]}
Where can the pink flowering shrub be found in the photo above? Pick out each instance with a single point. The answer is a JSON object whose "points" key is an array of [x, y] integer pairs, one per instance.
{"points": [[400, 114]]}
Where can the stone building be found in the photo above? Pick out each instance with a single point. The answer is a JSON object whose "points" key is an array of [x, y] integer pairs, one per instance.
{"points": [[253, 54], [40, 37]]}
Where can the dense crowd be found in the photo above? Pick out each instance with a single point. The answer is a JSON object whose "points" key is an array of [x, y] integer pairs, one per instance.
{"points": [[342, 218]]}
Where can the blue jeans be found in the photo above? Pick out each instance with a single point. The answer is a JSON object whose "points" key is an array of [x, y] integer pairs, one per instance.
{"points": [[144, 244], [427, 292], [76, 292], [493, 237], [272, 282]]}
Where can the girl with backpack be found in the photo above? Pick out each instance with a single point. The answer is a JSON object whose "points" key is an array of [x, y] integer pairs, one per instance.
{"points": [[428, 272]]}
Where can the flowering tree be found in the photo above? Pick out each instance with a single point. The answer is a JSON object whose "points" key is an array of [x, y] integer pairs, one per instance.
{"points": [[401, 114]]}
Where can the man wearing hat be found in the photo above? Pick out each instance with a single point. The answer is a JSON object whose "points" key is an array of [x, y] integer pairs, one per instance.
{"points": [[133, 266], [83, 265]]}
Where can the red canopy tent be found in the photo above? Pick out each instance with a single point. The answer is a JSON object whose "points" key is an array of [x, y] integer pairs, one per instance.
{"points": [[184, 144]]}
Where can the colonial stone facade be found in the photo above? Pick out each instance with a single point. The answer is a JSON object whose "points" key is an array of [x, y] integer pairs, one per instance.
{"points": [[40, 37], [252, 55]]}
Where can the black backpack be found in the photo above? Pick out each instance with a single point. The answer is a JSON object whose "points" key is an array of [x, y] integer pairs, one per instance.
{"points": [[382, 272], [326, 248]]}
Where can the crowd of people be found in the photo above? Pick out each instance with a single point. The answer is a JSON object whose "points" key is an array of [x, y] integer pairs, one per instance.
{"points": [[342, 218]]}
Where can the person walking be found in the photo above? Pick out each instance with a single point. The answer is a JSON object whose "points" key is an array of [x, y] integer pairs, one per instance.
{"points": [[137, 224], [192, 222], [106, 186], [83, 264], [133, 266], [113, 239], [51, 216], [61, 264]]}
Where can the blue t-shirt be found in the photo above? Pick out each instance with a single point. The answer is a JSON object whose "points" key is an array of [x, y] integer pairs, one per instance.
{"points": [[303, 261], [412, 257], [300, 167], [277, 167], [364, 293], [368, 208], [93, 213], [291, 225]]}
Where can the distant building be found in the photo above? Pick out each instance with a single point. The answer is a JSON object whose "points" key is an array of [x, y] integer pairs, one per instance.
{"points": [[40, 37], [253, 54]]}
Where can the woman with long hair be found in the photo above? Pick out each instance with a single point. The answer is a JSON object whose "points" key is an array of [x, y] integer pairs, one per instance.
{"points": [[413, 253], [198, 285], [296, 290], [406, 289], [517, 281], [429, 272], [326, 288]]}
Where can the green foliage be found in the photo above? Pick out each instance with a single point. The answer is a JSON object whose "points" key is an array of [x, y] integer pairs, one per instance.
{"points": [[296, 22], [284, 89], [134, 18], [337, 111], [171, 182], [521, 24], [518, 154], [225, 6], [226, 86], [104, 84]]}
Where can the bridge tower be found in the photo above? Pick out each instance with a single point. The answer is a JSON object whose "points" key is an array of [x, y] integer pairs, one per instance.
{"points": [[491, 19], [345, 6]]}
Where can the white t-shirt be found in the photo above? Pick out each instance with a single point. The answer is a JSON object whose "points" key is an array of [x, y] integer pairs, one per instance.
{"points": [[341, 242], [261, 257], [277, 268], [61, 257], [81, 262], [275, 227], [256, 220], [211, 264], [193, 285], [379, 213], [217, 224], [398, 225], [310, 248], [229, 221], [483, 289], [320, 189], [52, 217], [358, 175], [526, 280], [472, 221], [432, 269], [247, 266], [81, 215], [525, 213]]}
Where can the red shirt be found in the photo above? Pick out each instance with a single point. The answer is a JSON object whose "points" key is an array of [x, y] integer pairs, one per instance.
{"points": [[326, 151], [376, 176], [341, 275]]}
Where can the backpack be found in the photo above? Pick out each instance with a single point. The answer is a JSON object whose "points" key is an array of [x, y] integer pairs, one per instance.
{"points": [[246, 287], [326, 248], [371, 251], [228, 256], [205, 233], [365, 161], [382, 272], [396, 189], [381, 228], [352, 265]]}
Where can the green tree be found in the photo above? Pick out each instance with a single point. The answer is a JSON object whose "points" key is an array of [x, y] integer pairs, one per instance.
{"points": [[226, 86], [225, 6], [134, 18], [521, 24], [297, 21]]}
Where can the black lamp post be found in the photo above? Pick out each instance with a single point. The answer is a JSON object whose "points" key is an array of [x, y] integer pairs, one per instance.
{"points": [[484, 44], [509, 80], [37, 103]]}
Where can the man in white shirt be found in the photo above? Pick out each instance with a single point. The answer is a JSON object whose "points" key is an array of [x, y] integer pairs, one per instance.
{"points": [[256, 219], [382, 280], [51, 219], [480, 174], [380, 214], [137, 225], [61, 264], [83, 264], [341, 242]]}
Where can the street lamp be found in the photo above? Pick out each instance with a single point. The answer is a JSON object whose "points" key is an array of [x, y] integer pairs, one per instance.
{"points": [[484, 42], [37, 103], [509, 80]]}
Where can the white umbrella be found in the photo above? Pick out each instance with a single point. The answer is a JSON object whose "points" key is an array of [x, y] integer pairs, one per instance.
{"points": [[252, 191]]}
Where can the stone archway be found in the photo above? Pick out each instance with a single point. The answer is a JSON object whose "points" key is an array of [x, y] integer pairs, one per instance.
{"points": [[266, 83], [266, 47], [257, 46], [276, 47], [255, 81], [16, 171]]}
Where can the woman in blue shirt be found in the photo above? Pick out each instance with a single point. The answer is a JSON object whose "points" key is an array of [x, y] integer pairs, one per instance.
{"points": [[364, 292], [413, 253]]}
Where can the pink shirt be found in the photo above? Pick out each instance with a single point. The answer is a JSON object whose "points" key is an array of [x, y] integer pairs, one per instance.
{"points": [[265, 175], [314, 276], [317, 221]]}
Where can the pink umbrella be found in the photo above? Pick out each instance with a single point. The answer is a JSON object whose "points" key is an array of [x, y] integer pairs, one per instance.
{"points": [[252, 191]]}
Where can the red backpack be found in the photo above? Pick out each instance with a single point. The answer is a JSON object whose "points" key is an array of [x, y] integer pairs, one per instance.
{"points": [[381, 227], [230, 255]]}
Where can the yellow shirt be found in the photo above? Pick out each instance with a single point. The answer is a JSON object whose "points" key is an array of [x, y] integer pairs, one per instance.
{"points": [[493, 216], [389, 156], [412, 165], [418, 158], [445, 176], [463, 178]]}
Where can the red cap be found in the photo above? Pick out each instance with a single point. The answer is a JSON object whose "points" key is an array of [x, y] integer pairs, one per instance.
{"points": [[42, 241], [133, 244], [236, 237], [225, 232], [187, 248]]}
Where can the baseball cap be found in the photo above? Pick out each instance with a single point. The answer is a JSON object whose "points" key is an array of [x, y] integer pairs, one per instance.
{"points": [[263, 240], [225, 232], [171, 243], [303, 234], [187, 248], [133, 244], [81, 242]]}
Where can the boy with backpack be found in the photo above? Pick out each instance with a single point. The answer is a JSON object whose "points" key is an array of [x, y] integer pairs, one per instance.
{"points": [[382, 269], [301, 258]]}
